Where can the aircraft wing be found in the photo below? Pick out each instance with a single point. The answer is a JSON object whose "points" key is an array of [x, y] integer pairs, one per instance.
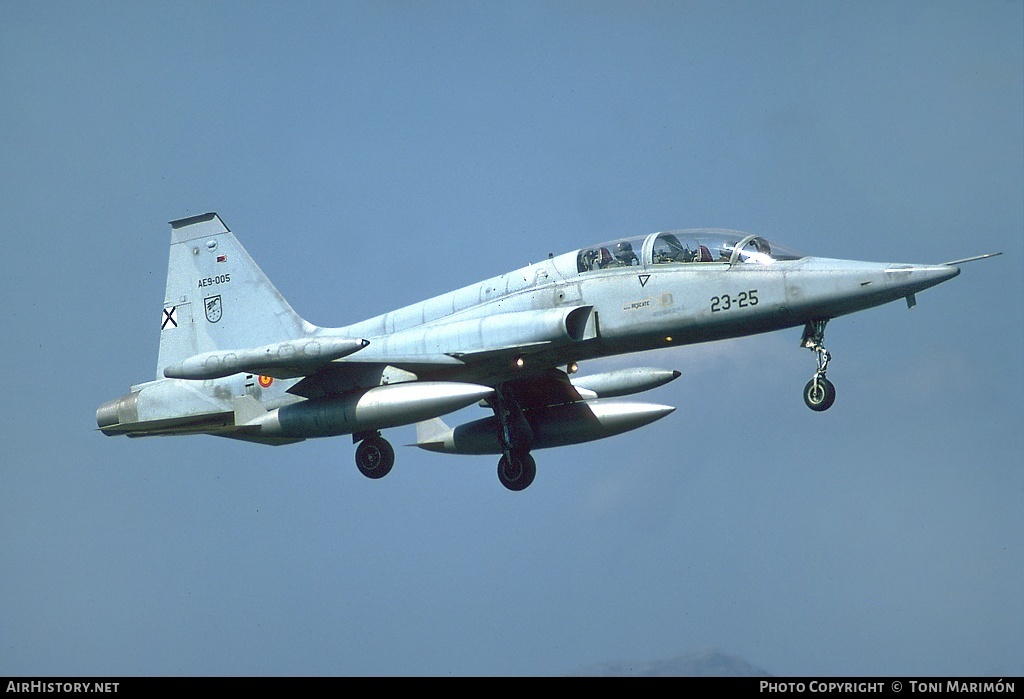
{"points": [[342, 376], [366, 371], [543, 390], [481, 349]]}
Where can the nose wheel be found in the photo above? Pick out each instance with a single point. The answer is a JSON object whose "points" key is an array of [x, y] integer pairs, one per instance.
{"points": [[819, 393]]}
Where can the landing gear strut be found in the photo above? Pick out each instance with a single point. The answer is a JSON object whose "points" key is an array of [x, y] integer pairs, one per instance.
{"points": [[819, 393], [516, 468], [375, 456]]}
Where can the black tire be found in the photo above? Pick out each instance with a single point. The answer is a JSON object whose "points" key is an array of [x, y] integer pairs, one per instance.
{"points": [[819, 397], [375, 457], [518, 473]]}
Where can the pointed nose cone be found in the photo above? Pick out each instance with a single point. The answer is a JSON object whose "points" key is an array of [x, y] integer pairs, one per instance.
{"points": [[909, 279]]}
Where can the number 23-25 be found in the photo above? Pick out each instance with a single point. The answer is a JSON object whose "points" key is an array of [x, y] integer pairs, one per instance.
{"points": [[726, 302]]}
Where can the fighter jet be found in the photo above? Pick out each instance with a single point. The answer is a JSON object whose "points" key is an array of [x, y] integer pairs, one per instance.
{"points": [[235, 360]]}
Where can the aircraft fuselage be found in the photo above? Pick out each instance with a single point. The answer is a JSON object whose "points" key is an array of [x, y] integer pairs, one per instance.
{"points": [[648, 307]]}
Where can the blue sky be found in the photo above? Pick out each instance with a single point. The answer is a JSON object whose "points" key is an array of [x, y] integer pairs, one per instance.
{"points": [[370, 155]]}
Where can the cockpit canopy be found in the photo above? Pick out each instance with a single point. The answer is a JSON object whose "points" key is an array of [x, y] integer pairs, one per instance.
{"points": [[684, 247]]}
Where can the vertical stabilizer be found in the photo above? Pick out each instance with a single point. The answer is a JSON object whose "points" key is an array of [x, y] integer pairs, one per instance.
{"points": [[217, 297]]}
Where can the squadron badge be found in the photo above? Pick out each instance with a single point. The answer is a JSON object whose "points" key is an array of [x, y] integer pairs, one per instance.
{"points": [[214, 308]]}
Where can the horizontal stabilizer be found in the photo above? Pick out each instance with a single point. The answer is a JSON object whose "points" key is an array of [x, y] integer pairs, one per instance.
{"points": [[282, 360], [191, 424]]}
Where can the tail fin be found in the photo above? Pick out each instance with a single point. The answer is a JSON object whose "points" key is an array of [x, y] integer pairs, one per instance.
{"points": [[217, 296]]}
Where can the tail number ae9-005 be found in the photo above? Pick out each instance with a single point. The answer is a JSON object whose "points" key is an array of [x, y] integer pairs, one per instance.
{"points": [[725, 302], [212, 281]]}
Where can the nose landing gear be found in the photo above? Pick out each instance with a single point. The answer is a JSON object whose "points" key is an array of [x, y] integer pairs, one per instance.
{"points": [[819, 393]]}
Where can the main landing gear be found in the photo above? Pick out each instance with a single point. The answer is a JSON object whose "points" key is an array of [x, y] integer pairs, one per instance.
{"points": [[819, 393], [374, 456], [516, 468]]}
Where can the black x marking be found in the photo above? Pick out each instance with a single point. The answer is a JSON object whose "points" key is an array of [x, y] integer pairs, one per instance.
{"points": [[169, 318]]}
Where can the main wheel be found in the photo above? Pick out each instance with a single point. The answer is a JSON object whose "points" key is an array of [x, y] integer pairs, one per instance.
{"points": [[819, 395], [375, 457], [517, 473]]}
